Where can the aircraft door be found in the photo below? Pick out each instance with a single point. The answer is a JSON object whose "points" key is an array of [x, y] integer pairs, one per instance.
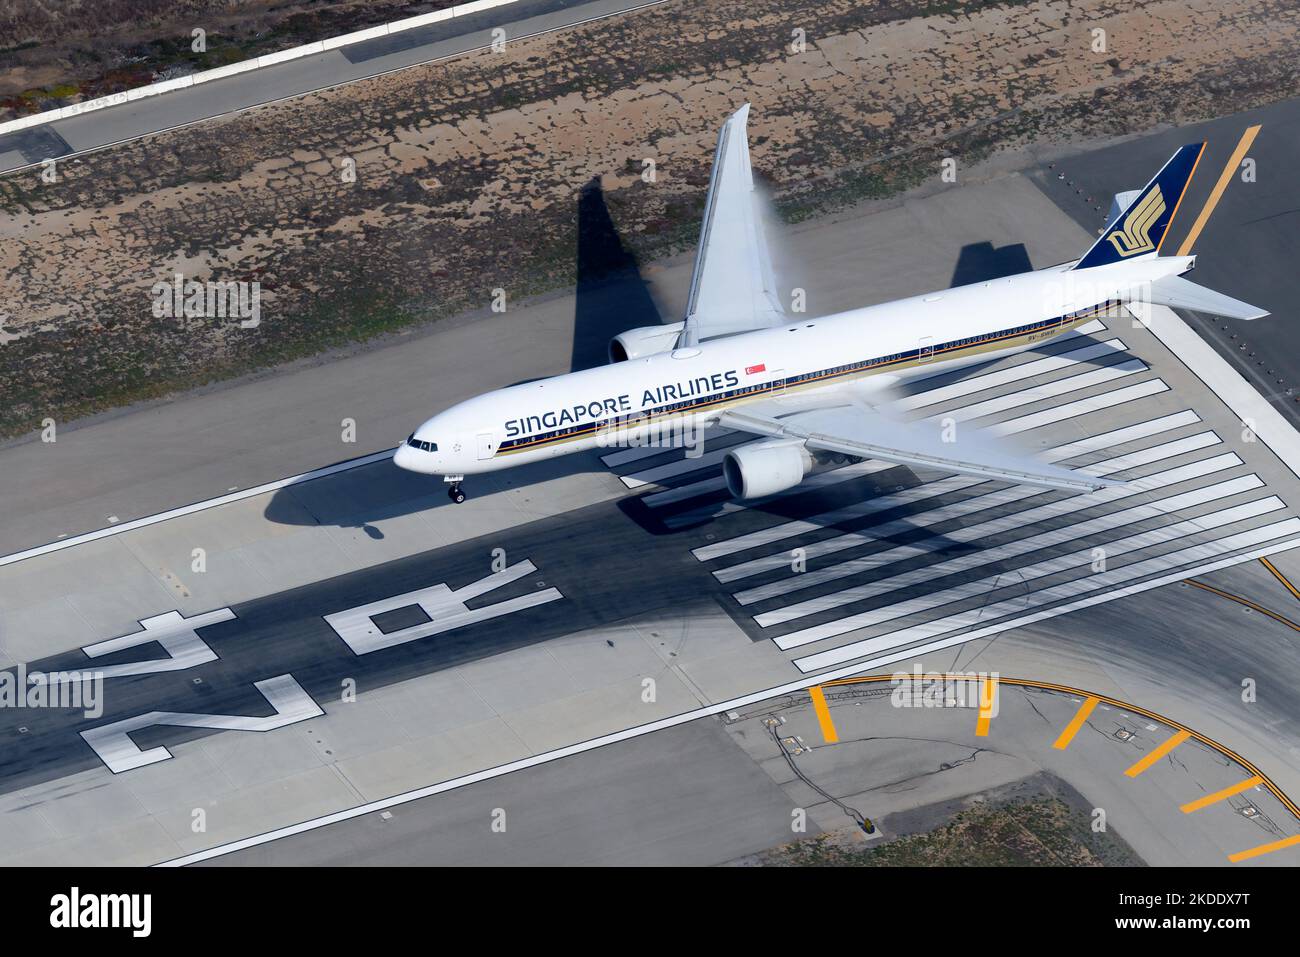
{"points": [[487, 445], [925, 349]]}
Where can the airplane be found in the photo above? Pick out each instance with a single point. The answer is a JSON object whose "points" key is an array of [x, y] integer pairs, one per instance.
{"points": [[818, 391]]}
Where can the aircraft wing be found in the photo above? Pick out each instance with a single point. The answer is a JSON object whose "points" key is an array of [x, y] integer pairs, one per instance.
{"points": [[851, 428], [732, 289]]}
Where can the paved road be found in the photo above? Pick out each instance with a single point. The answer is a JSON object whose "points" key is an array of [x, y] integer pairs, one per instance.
{"points": [[129, 121]]}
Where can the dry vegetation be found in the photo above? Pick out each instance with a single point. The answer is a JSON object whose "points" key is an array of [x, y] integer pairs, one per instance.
{"points": [[1038, 832], [468, 171], [54, 52]]}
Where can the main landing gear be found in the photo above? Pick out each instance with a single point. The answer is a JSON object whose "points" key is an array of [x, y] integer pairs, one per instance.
{"points": [[454, 491]]}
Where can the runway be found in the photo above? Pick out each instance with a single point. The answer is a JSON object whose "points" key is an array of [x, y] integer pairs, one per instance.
{"points": [[930, 560], [355, 652]]}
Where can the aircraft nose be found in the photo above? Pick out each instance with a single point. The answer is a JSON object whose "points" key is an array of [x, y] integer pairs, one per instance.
{"points": [[404, 458]]}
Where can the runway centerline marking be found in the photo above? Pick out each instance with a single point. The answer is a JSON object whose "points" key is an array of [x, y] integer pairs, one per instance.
{"points": [[1077, 722], [829, 734], [1234, 161], [1218, 796], [1158, 752]]}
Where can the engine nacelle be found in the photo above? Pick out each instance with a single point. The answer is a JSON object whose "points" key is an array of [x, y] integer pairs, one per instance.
{"points": [[765, 468], [646, 341]]}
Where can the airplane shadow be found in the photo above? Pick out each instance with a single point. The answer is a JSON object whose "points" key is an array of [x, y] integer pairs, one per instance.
{"points": [[611, 296], [981, 262], [374, 493], [803, 506]]}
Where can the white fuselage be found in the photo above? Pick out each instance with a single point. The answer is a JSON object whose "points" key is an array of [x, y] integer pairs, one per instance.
{"points": [[689, 388]]}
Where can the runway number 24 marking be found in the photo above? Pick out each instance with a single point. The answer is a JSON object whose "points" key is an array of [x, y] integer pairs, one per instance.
{"points": [[444, 607]]}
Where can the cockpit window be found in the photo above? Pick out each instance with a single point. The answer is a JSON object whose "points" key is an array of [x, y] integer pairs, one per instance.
{"points": [[415, 443]]}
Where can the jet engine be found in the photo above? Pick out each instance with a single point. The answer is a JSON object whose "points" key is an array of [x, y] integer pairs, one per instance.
{"points": [[646, 341], [765, 468]]}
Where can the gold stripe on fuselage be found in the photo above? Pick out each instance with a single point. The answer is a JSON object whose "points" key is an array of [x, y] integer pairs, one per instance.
{"points": [[995, 344]]}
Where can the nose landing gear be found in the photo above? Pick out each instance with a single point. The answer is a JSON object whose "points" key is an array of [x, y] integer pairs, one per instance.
{"points": [[454, 491]]}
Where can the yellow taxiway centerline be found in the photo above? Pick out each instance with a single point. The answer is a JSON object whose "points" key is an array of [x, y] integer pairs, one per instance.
{"points": [[1234, 161], [1244, 601], [829, 734], [1076, 722], [1280, 577], [1218, 796], [988, 695], [1158, 752]]}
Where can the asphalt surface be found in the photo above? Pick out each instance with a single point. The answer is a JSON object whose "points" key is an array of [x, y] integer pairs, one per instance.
{"points": [[117, 124], [721, 790], [142, 460], [685, 797], [598, 557], [1247, 250], [286, 633]]}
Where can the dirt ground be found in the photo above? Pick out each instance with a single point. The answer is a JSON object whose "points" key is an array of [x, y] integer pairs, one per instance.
{"points": [[56, 52], [1040, 821], [468, 172]]}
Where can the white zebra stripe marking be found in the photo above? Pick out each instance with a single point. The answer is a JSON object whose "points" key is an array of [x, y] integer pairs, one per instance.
{"points": [[971, 533], [1105, 523], [1126, 573]]}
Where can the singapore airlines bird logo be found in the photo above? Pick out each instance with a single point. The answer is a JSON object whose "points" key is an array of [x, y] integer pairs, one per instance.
{"points": [[1135, 237]]}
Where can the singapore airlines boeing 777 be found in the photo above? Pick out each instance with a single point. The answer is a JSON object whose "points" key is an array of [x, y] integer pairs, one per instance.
{"points": [[820, 389]]}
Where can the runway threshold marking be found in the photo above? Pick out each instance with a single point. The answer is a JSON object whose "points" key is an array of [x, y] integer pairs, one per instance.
{"points": [[988, 695], [1280, 577], [1158, 752], [1218, 796], [1265, 849], [829, 734], [1245, 601], [1234, 161], [1080, 717]]}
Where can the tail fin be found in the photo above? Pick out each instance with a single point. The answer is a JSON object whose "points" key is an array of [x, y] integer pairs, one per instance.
{"points": [[1141, 228]]}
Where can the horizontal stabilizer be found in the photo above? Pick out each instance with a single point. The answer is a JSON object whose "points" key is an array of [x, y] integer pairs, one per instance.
{"points": [[1179, 293]]}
